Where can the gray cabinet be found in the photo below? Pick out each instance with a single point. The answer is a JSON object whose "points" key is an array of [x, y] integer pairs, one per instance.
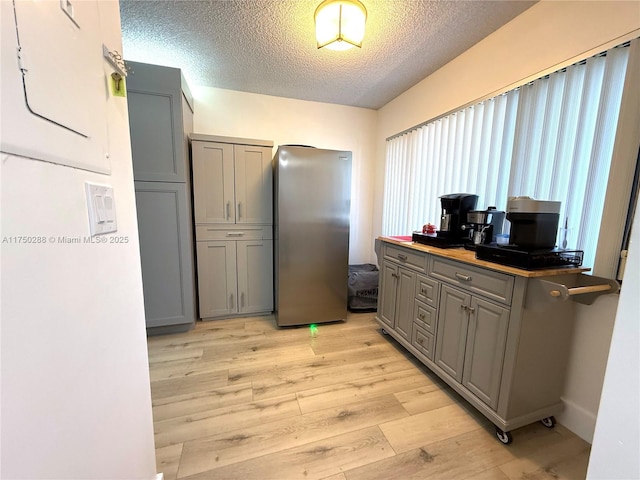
{"points": [[397, 302], [479, 329], [235, 277], [232, 182], [471, 341], [163, 222], [160, 120], [233, 211], [484, 349]]}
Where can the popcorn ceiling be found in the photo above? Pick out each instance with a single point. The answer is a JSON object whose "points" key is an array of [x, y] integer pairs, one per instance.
{"points": [[268, 46]]}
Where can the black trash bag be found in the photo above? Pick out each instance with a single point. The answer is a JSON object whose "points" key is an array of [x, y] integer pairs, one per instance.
{"points": [[363, 288]]}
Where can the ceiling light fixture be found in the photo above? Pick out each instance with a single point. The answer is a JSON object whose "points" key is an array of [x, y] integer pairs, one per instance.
{"points": [[340, 24]]}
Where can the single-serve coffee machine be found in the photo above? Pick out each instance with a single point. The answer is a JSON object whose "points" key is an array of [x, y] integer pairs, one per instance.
{"points": [[483, 225], [534, 223], [455, 208]]}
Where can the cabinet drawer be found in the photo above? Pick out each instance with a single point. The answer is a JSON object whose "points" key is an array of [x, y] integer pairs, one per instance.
{"points": [[494, 285], [425, 316], [427, 290], [404, 256], [423, 341], [220, 232]]}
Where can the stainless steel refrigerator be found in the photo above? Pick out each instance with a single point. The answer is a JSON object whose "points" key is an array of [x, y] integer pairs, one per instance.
{"points": [[312, 198]]}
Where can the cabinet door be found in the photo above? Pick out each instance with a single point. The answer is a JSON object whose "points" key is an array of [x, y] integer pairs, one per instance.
{"points": [[154, 95], [451, 332], [255, 275], [253, 183], [217, 280], [387, 293], [213, 182], [405, 300], [484, 351], [165, 253]]}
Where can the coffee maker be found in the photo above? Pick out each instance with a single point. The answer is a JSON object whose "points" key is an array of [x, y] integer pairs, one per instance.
{"points": [[483, 226], [455, 208]]}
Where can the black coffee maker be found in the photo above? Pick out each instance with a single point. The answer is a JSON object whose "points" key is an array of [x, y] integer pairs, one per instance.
{"points": [[455, 207]]}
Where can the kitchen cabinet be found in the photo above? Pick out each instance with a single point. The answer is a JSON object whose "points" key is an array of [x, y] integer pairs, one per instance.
{"points": [[233, 205], [235, 277], [160, 120], [232, 181], [470, 342], [397, 301], [235, 270], [499, 336]]}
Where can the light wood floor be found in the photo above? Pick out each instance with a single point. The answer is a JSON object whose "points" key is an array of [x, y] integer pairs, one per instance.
{"points": [[241, 399]]}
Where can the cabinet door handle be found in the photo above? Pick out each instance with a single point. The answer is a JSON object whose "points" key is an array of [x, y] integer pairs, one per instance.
{"points": [[460, 276], [231, 301], [228, 210], [402, 257], [464, 307], [471, 309], [394, 275], [239, 209], [242, 299]]}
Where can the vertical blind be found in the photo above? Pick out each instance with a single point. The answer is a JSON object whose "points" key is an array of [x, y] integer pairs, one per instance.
{"points": [[551, 139]]}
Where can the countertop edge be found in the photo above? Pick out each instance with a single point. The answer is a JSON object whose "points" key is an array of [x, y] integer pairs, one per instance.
{"points": [[468, 256]]}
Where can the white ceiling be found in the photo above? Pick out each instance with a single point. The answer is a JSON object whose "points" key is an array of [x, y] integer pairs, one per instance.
{"points": [[268, 46]]}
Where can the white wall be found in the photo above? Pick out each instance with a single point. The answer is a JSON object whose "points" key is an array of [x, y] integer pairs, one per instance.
{"points": [[288, 121], [548, 34], [616, 442], [76, 399]]}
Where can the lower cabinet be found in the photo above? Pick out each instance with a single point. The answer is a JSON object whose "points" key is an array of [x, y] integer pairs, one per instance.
{"points": [[476, 328], [166, 254], [397, 302], [470, 342], [235, 277]]}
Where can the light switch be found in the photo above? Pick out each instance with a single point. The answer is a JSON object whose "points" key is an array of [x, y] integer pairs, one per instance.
{"points": [[102, 209]]}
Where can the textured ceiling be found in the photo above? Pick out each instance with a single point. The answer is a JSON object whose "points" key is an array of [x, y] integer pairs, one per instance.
{"points": [[268, 46]]}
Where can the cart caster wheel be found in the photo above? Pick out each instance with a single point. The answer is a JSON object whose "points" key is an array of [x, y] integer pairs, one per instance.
{"points": [[504, 437], [384, 332], [548, 422]]}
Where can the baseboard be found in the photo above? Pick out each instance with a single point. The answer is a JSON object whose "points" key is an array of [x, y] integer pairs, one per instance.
{"points": [[579, 420], [160, 476]]}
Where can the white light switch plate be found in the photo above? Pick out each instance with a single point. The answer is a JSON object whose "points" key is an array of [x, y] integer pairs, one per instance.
{"points": [[102, 209]]}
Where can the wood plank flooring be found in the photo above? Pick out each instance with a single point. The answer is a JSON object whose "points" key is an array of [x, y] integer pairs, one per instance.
{"points": [[242, 399]]}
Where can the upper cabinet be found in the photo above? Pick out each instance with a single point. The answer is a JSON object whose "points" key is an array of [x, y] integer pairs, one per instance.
{"points": [[232, 180], [156, 117]]}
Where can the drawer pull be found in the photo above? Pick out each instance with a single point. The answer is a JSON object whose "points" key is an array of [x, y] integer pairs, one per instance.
{"points": [[402, 256], [423, 291], [235, 234], [465, 278], [421, 316], [420, 341]]}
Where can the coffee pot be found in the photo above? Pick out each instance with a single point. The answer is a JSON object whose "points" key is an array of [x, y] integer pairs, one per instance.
{"points": [[455, 208]]}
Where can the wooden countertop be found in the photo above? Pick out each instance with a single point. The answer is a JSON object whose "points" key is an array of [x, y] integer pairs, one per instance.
{"points": [[469, 256]]}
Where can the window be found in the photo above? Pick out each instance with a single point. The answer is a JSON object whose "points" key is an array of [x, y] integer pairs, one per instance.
{"points": [[551, 139]]}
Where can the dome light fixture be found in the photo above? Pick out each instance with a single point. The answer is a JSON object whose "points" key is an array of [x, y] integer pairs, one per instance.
{"points": [[340, 24]]}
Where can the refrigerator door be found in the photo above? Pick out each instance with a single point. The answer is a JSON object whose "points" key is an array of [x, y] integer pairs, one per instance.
{"points": [[312, 203]]}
